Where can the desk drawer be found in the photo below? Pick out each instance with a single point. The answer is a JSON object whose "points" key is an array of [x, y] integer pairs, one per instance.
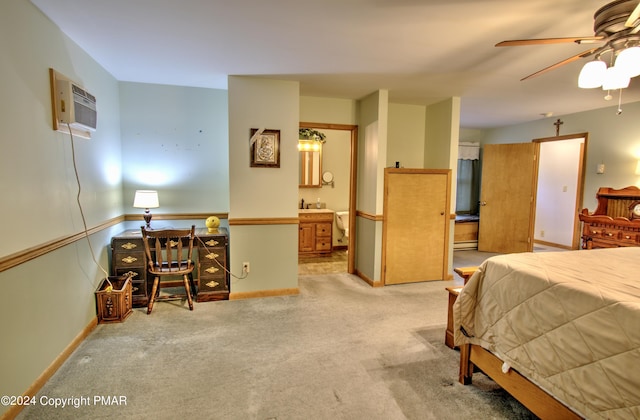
{"points": [[128, 259], [128, 244], [213, 280], [213, 284], [138, 280]]}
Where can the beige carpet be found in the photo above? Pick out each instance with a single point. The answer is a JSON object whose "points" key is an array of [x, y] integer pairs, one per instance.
{"points": [[339, 350]]}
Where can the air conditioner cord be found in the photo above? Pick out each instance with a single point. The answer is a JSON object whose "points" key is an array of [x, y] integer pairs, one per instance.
{"points": [[84, 221]]}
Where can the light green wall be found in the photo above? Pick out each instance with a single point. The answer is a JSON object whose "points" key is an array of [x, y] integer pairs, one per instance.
{"points": [[46, 302], [441, 133], [471, 135], [441, 149], [372, 149], [38, 173], [613, 140], [328, 110], [175, 140], [263, 192], [406, 138]]}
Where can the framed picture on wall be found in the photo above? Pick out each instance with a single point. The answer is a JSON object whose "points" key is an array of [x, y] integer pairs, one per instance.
{"points": [[265, 148]]}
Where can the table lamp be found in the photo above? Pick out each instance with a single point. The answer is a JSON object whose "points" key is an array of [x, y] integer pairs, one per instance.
{"points": [[146, 199]]}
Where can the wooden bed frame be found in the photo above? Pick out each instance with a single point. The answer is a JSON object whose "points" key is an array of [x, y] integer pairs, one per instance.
{"points": [[537, 400], [529, 394]]}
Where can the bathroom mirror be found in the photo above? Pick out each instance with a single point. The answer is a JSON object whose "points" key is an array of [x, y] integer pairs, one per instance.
{"points": [[310, 164]]}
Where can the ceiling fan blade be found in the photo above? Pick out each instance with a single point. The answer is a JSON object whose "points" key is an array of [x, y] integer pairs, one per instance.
{"points": [[544, 41], [563, 62], [633, 17]]}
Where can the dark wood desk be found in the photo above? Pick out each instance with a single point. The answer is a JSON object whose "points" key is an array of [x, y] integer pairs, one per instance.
{"points": [[211, 275]]}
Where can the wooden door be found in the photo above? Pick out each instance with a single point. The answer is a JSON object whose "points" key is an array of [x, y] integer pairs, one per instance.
{"points": [[416, 222], [507, 197]]}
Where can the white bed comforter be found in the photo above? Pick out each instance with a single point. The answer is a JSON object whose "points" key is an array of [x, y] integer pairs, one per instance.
{"points": [[569, 321]]}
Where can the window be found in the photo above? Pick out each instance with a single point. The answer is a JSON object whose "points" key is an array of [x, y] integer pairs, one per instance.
{"points": [[468, 186]]}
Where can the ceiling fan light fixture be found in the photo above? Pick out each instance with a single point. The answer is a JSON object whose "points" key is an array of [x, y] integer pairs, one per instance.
{"points": [[592, 74], [628, 61], [614, 78]]}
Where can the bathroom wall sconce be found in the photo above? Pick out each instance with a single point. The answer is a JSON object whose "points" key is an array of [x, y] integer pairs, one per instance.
{"points": [[146, 199]]}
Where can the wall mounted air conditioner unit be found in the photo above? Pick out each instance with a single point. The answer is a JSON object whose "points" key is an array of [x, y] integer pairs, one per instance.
{"points": [[75, 106]]}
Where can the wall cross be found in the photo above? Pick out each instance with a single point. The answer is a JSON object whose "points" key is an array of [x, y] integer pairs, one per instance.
{"points": [[558, 123]]}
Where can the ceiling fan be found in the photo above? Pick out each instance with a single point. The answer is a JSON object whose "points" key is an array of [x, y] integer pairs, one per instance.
{"points": [[616, 24]]}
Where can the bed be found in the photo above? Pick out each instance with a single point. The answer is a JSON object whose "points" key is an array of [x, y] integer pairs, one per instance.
{"points": [[559, 330]]}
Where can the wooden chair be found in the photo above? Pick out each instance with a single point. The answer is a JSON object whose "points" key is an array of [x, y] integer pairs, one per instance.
{"points": [[165, 250]]}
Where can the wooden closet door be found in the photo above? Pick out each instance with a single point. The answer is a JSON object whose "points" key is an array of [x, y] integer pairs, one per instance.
{"points": [[415, 225], [508, 197]]}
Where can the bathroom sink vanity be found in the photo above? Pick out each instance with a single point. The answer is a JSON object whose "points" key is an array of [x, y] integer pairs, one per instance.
{"points": [[315, 232]]}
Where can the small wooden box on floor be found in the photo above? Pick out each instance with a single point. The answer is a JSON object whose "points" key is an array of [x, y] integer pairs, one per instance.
{"points": [[114, 305]]}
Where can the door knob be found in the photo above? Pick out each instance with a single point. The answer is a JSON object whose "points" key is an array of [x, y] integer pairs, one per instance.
{"points": [[483, 203]]}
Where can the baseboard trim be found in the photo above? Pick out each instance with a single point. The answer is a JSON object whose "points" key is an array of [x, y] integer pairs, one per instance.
{"points": [[14, 410], [264, 293], [368, 280], [552, 244], [465, 245]]}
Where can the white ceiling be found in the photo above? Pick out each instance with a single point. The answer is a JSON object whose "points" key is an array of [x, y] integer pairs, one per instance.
{"points": [[422, 51]]}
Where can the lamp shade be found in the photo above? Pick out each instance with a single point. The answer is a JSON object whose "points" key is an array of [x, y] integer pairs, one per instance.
{"points": [[614, 78], [628, 61], [146, 199], [592, 74]]}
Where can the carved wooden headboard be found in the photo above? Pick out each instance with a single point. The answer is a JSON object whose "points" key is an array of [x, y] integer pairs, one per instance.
{"points": [[610, 225], [615, 203]]}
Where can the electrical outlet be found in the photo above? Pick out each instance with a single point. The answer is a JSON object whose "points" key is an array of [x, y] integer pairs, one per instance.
{"points": [[542, 233], [246, 267]]}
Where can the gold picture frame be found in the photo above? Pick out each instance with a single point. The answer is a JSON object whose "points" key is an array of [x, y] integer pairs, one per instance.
{"points": [[265, 148]]}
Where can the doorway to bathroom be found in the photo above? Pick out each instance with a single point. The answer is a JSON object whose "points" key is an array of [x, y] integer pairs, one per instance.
{"points": [[337, 193]]}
